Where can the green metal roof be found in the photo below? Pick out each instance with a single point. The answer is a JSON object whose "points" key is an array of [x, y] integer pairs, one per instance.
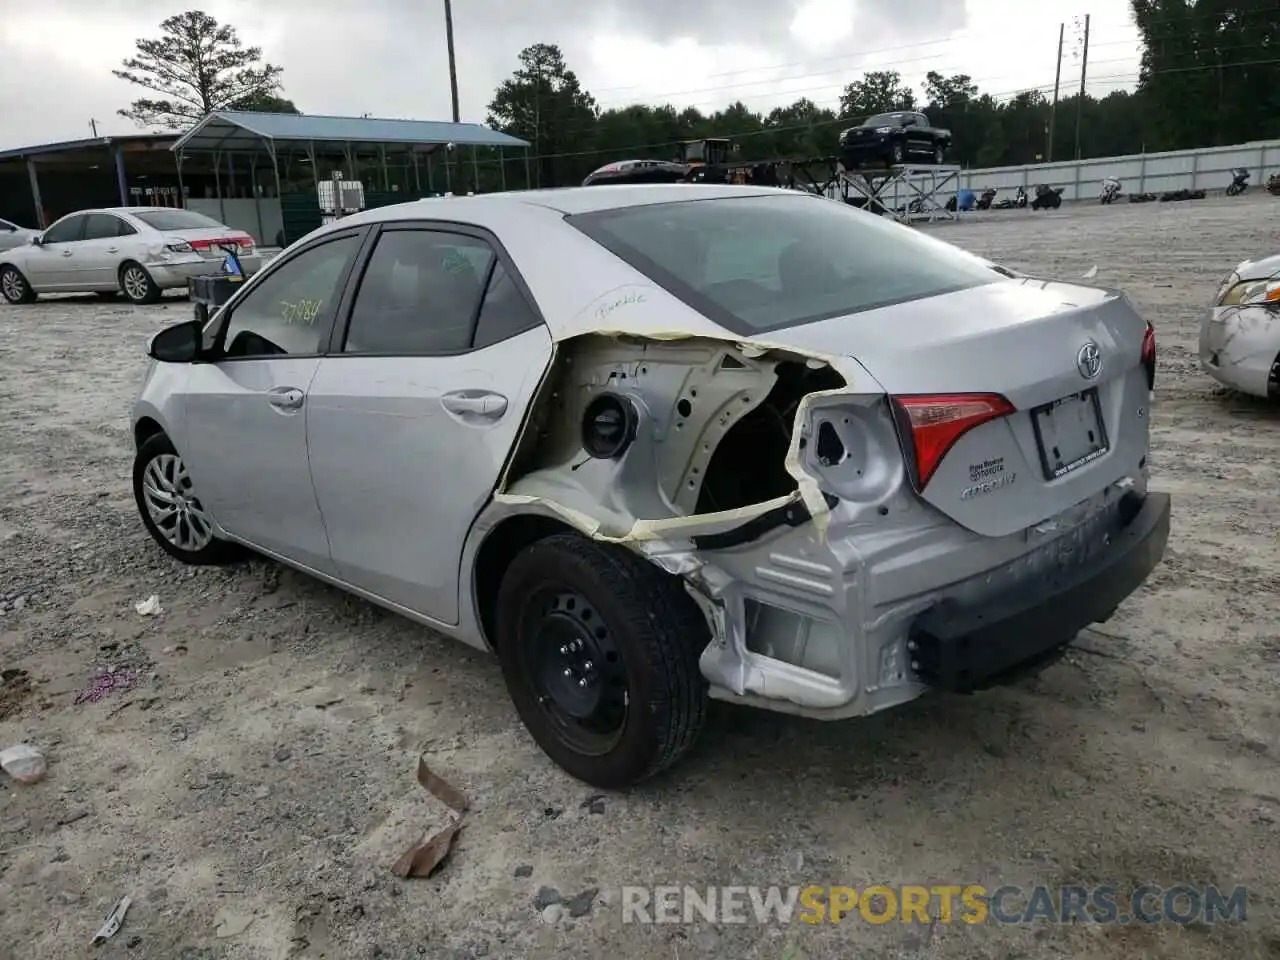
{"points": [[238, 131]]}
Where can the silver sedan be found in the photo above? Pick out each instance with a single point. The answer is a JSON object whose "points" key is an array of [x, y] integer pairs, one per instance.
{"points": [[652, 444], [137, 251], [12, 235], [1240, 334]]}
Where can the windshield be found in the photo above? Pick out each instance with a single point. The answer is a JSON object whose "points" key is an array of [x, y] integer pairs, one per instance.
{"points": [[170, 219], [761, 263]]}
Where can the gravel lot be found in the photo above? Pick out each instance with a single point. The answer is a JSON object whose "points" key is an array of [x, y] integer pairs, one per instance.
{"points": [[241, 793]]}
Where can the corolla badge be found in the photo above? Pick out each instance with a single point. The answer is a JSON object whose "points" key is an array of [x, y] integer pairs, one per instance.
{"points": [[1089, 361]]}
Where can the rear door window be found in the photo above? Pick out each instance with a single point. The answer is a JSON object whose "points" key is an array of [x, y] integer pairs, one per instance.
{"points": [[762, 263], [102, 226], [420, 294]]}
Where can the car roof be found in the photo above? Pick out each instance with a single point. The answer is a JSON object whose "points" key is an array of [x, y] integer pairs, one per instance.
{"points": [[565, 200]]}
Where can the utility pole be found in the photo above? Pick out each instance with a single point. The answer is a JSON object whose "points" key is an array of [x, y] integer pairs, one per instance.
{"points": [[93, 125], [1057, 83], [1084, 72], [453, 65]]}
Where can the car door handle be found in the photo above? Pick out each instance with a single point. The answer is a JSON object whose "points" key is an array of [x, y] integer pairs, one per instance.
{"points": [[113, 249], [475, 403], [66, 253], [285, 398]]}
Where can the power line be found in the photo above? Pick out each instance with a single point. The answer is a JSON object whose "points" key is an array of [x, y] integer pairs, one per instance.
{"points": [[1136, 41], [807, 126]]}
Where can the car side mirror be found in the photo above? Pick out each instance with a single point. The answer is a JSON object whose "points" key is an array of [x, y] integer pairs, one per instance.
{"points": [[37, 240], [181, 343]]}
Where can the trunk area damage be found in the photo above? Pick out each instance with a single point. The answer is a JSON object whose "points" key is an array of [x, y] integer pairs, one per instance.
{"points": [[773, 480]]}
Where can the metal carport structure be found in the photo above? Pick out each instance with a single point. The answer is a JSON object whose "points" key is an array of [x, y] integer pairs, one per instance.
{"points": [[285, 138]]}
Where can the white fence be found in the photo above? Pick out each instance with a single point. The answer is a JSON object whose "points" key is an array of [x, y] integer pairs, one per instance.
{"points": [[1208, 169]]}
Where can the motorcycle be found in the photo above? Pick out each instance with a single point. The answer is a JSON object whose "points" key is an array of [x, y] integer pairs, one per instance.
{"points": [[1018, 200], [1110, 190], [1047, 198], [1273, 185], [1239, 182], [988, 197]]}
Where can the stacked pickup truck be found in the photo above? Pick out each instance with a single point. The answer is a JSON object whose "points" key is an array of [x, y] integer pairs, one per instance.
{"points": [[892, 139]]}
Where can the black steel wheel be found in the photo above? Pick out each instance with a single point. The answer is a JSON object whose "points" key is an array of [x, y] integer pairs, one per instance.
{"points": [[599, 651]]}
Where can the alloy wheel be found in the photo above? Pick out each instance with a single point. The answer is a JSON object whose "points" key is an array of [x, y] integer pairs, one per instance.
{"points": [[13, 285], [136, 283], [173, 506]]}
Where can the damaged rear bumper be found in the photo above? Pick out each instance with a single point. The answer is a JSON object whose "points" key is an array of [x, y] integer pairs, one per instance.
{"points": [[857, 622], [965, 649]]}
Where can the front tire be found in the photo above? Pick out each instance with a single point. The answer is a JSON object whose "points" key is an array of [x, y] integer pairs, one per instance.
{"points": [[896, 153], [14, 286], [170, 509], [599, 651], [939, 155], [137, 284]]}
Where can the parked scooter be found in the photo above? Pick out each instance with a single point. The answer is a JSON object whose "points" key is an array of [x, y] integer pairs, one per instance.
{"points": [[1239, 182], [1018, 200], [988, 197], [1047, 198], [1273, 185], [1110, 190]]}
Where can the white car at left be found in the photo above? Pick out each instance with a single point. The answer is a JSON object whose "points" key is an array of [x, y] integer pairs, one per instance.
{"points": [[137, 251]]}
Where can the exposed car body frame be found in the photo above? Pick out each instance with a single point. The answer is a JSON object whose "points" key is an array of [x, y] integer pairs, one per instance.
{"points": [[779, 580]]}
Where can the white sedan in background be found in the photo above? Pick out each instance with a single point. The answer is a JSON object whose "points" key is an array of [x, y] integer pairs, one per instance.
{"points": [[1240, 334], [12, 235], [137, 251]]}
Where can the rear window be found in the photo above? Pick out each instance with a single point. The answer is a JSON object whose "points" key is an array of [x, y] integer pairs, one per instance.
{"points": [[762, 263], [175, 219]]}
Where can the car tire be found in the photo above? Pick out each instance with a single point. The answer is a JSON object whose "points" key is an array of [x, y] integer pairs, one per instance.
{"points": [[158, 474], [939, 155], [897, 154], [14, 286], [599, 651], [137, 284]]}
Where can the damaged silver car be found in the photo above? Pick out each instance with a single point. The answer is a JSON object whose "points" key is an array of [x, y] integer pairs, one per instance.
{"points": [[659, 444], [1240, 333]]}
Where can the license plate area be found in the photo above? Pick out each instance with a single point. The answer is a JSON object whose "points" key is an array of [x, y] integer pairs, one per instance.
{"points": [[1070, 433]]}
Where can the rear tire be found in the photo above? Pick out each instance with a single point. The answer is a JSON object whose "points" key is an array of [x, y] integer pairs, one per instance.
{"points": [[170, 509], [599, 651], [137, 284], [14, 286]]}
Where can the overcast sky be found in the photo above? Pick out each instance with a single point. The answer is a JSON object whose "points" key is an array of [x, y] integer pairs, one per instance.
{"points": [[388, 57]]}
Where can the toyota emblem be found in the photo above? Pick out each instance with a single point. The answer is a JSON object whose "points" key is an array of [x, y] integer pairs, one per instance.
{"points": [[1089, 361]]}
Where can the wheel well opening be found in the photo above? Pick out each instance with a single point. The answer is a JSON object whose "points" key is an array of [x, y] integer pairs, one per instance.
{"points": [[144, 430], [496, 553]]}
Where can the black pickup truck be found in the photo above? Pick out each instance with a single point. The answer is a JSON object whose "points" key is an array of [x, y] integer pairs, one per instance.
{"points": [[894, 138]]}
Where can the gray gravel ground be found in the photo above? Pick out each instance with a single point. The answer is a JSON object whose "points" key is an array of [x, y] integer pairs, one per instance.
{"points": [[245, 793]]}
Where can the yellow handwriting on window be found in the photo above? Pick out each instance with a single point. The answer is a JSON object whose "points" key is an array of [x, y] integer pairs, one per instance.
{"points": [[301, 312]]}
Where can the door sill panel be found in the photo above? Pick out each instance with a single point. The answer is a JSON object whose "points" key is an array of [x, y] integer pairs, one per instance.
{"points": [[449, 629]]}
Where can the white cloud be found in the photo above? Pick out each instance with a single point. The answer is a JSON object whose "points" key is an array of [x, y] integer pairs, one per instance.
{"points": [[387, 57]]}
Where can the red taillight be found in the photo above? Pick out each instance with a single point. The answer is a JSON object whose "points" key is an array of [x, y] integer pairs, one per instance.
{"points": [[1149, 355], [937, 421]]}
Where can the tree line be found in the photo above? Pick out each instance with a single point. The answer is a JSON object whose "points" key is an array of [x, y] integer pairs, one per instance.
{"points": [[1210, 75]]}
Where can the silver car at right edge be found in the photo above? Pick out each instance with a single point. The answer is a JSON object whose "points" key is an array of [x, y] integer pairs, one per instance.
{"points": [[1240, 333]]}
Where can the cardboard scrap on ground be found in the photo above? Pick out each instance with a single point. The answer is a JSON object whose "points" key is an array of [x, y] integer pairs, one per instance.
{"points": [[423, 858]]}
